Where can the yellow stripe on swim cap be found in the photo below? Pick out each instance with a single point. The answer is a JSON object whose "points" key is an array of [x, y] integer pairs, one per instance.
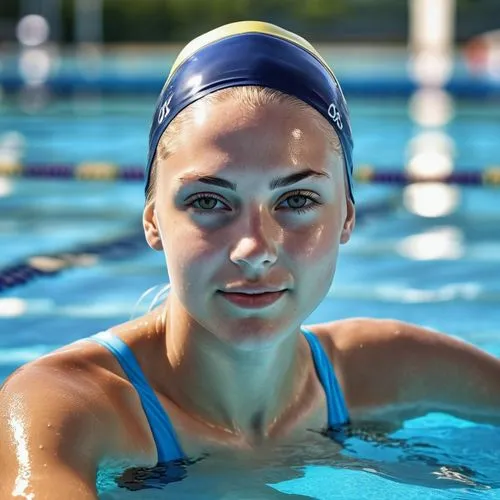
{"points": [[240, 28]]}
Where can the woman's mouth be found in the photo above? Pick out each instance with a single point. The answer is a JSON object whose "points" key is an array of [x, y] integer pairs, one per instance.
{"points": [[252, 300]]}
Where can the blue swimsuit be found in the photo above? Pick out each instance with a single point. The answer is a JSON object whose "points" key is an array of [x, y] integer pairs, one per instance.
{"points": [[167, 443]]}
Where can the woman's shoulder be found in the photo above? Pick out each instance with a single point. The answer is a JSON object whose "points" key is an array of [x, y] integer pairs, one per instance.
{"points": [[82, 381], [353, 333], [357, 347], [93, 361], [84, 361], [355, 344]]}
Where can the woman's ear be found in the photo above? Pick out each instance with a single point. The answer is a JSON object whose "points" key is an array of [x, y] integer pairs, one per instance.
{"points": [[349, 222], [151, 228]]}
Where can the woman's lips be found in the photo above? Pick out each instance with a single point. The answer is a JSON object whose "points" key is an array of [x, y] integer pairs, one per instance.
{"points": [[252, 300]]}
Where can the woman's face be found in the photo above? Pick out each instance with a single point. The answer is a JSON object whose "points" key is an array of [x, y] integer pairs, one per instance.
{"points": [[251, 200]]}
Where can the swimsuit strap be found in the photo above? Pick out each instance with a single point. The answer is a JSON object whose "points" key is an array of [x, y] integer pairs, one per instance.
{"points": [[337, 410], [167, 443]]}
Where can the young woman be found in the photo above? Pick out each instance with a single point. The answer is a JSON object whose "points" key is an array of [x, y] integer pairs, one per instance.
{"points": [[249, 196]]}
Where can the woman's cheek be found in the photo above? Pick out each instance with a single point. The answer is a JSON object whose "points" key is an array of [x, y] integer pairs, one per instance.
{"points": [[315, 244], [194, 260]]}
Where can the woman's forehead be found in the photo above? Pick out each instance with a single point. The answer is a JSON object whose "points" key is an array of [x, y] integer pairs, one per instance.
{"points": [[233, 128], [233, 113]]}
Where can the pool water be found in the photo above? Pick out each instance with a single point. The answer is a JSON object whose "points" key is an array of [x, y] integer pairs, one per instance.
{"points": [[441, 272], [434, 457]]}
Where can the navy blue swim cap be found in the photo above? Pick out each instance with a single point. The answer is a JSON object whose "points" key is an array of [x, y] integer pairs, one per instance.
{"points": [[252, 53]]}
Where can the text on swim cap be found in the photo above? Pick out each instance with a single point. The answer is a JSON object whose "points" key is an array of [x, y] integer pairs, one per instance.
{"points": [[334, 114], [164, 110]]}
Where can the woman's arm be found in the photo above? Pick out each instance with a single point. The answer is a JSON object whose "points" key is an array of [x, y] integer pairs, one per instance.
{"points": [[389, 366], [53, 434], [449, 374]]}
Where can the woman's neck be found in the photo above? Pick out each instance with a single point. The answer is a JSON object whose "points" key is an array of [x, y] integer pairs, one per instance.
{"points": [[244, 392]]}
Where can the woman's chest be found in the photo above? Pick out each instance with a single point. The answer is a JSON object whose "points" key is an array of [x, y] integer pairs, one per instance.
{"points": [[174, 429]]}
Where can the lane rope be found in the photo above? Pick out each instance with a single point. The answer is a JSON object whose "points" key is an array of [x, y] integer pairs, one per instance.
{"points": [[87, 255], [489, 176]]}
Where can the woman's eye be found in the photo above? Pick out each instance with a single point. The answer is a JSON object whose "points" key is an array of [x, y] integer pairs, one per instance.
{"points": [[300, 202], [297, 201], [208, 203]]}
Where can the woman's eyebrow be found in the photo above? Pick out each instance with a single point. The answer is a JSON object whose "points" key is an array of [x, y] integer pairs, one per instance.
{"points": [[277, 182]]}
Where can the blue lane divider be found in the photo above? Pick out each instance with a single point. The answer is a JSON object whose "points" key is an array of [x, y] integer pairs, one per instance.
{"points": [[86, 255], [105, 171]]}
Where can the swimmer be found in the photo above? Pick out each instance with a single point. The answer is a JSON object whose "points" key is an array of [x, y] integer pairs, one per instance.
{"points": [[249, 196]]}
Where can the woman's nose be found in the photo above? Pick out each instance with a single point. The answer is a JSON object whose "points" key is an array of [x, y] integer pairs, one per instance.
{"points": [[256, 248]]}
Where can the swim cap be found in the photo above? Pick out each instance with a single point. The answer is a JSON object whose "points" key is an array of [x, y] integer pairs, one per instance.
{"points": [[252, 53]]}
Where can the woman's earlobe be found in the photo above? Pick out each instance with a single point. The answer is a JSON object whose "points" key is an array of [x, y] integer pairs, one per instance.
{"points": [[349, 223], [151, 228]]}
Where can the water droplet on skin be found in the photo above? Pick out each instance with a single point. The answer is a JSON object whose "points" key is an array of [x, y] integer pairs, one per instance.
{"points": [[41, 446], [49, 425]]}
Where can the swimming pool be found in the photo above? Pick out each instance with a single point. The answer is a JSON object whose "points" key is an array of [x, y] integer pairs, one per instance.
{"points": [[441, 272]]}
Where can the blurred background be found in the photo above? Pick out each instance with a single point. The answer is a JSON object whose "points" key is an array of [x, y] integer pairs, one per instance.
{"points": [[78, 83]]}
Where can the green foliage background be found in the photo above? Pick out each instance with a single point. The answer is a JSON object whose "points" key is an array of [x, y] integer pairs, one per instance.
{"points": [[146, 21]]}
